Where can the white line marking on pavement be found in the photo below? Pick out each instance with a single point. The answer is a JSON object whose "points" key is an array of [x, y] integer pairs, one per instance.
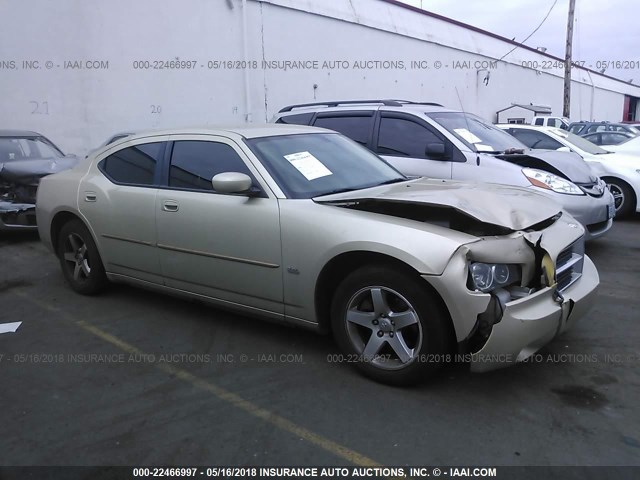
{"points": [[9, 327]]}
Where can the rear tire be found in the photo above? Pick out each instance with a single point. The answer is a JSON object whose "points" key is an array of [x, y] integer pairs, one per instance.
{"points": [[390, 325], [625, 200], [79, 258]]}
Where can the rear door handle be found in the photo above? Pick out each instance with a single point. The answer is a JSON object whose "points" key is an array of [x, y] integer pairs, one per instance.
{"points": [[90, 197], [170, 206]]}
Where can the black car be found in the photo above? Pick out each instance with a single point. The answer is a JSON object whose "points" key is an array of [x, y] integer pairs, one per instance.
{"points": [[583, 128], [608, 138], [25, 157]]}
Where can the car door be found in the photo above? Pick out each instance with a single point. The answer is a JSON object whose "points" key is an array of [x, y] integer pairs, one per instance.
{"points": [[413, 146], [118, 199], [224, 246]]}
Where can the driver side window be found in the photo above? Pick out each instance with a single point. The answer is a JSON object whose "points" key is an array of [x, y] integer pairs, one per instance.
{"points": [[403, 138], [194, 163]]}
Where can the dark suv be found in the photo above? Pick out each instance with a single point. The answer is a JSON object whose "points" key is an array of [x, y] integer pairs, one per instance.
{"points": [[583, 128]]}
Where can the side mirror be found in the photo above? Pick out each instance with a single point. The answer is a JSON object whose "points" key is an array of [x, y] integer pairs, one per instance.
{"points": [[435, 149], [231, 182]]}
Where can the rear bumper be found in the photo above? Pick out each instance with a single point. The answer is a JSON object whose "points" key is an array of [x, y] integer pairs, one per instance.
{"points": [[531, 322], [17, 216]]}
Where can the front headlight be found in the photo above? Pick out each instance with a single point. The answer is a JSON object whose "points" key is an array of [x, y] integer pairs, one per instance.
{"points": [[549, 181], [489, 276]]}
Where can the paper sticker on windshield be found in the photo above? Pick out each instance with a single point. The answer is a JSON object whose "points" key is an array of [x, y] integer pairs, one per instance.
{"points": [[484, 148], [467, 135], [308, 165]]}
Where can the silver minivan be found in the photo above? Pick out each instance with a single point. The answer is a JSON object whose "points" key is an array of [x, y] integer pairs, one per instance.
{"points": [[426, 139]]}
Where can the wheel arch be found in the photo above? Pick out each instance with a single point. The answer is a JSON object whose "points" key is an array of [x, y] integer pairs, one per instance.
{"points": [[345, 263], [615, 179], [59, 220]]}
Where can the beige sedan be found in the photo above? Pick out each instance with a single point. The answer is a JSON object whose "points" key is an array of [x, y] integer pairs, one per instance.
{"points": [[303, 226]]}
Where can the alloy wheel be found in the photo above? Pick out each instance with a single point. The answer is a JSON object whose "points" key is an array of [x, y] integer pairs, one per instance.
{"points": [[383, 327], [618, 195], [76, 257]]}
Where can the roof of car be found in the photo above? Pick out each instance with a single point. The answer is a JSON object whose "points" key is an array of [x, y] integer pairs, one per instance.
{"points": [[542, 128], [19, 133], [347, 105], [626, 134], [602, 122], [245, 131], [524, 125]]}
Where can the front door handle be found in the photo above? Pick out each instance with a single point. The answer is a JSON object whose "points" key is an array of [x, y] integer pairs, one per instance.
{"points": [[170, 206]]}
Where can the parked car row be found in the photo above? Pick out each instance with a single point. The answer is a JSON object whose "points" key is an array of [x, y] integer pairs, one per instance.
{"points": [[433, 141], [619, 169], [390, 226]]}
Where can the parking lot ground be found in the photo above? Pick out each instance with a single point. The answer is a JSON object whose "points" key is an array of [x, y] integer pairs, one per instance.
{"points": [[132, 377]]}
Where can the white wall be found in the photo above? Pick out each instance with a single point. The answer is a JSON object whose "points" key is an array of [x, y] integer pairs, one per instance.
{"points": [[78, 109]]}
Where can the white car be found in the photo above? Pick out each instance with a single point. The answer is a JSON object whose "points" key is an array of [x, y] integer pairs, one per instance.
{"points": [[620, 169], [631, 146], [549, 121]]}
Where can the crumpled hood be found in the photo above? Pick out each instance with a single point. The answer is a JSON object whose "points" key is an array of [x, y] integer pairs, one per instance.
{"points": [[570, 164], [514, 208], [29, 172]]}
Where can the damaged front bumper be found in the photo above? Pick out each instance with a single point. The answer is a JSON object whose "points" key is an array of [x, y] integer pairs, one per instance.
{"points": [[531, 322], [508, 325], [17, 216]]}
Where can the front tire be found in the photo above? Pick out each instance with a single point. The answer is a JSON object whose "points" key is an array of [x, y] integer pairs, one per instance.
{"points": [[390, 325], [80, 260], [623, 196]]}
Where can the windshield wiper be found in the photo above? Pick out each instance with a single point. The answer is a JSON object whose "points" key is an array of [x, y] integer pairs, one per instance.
{"points": [[513, 150], [508, 151], [351, 189], [338, 190], [389, 182]]}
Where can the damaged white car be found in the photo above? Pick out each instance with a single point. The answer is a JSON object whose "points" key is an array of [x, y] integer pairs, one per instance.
{"points": [[25, 157], [301, 225]]}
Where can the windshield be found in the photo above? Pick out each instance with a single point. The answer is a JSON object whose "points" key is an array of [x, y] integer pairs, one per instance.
{"points": [[26, 148], [580, 142], [310, 165], [477, 134]]}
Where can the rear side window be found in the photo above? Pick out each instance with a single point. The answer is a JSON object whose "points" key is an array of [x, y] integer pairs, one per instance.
{"points": [[133, 165], [299, 119], [611, 138], [357, 128], [539, 121], [404, 138], [195, 163]]}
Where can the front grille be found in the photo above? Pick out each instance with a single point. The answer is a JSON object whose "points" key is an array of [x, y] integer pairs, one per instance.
{"points": [[569, 264]]}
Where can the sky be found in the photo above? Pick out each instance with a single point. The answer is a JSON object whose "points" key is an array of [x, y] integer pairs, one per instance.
{"points": [[603, 30]]}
